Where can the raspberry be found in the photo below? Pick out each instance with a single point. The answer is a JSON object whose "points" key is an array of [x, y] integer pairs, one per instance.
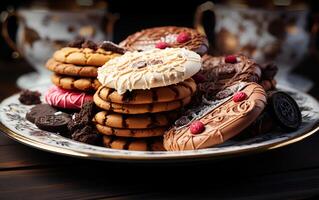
{"points": [[231, 59], [197, 127], [161, 45], [183, 37], [239, 96]]}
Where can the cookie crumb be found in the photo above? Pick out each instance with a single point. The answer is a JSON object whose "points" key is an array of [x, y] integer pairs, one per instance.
{"points": [[28, 97]]}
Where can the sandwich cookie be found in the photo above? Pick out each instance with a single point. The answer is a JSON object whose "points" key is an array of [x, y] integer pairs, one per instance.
{"points": [[149, 69]]}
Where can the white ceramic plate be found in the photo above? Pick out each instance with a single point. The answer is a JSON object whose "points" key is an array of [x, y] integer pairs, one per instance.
{"points": [[14, 124]]}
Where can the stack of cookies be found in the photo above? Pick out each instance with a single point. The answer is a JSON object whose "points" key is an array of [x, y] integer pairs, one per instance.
{"points": [[141, 95], [75, 72]]}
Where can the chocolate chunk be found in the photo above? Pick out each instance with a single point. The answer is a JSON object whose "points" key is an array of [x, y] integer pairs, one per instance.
{"points": [[89, 44], [28, 97], [83, 118], [110, 46], [54, 123], [77, 42], [284, 110], [139, 64], [40, 110], [87, 135], [269, 71]]}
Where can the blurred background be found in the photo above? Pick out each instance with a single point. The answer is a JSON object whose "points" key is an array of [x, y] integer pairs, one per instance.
{"points": [[281, 31]]}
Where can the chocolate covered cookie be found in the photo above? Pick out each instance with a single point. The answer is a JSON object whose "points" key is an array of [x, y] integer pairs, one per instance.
{"points": [[167, 36]]}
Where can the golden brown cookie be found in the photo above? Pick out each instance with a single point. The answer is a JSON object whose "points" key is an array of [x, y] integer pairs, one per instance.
{"points": [[136, 133], [142, 121], [75, 83], [71, 69], [220, 122], [155, 95], [133, 144], [83, 56], [139, 108]]}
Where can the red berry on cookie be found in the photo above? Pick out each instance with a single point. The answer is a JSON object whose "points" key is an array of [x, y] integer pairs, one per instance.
{"points": [[231, 59], [161, 45], [239, 96], [199, 78], [183, 37], [197, 127]]}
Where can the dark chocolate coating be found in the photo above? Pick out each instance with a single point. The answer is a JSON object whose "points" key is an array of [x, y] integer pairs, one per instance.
{"points": [[53, 123], [40, 110]]}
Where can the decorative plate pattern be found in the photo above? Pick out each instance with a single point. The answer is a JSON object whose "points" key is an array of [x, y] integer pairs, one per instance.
{"points": [[14, 124]]}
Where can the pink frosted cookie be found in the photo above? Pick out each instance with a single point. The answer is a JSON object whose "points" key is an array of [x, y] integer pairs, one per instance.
{"points": [[65, 98]]}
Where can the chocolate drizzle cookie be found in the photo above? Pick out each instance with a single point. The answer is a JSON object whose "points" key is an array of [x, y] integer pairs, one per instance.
{"points": [[75, 83], [134, 144], [155, 95], [167, 36]]}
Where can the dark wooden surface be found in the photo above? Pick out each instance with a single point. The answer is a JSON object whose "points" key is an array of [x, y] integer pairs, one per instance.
{"points": [[290, 172]]}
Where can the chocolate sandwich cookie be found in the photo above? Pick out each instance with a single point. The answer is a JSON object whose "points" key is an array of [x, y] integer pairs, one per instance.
{"points": [[126, 132], [284, 110], [155, 95], [40, 110], [142, 121], [56, 122], [140, 108], [167, 36], [133, 144], [75, 83], [71, 69]]}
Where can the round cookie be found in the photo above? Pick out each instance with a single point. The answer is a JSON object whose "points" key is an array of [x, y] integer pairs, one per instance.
{"points": [[284, 110], [75, 83], [172, 36], [57, 122], [135, 133], [155, 95], [39, 111], [149, 69], [71, 69], [133, 144], [140, 108], [143, 121], [219, 123], [61, 98], [83, 56]]}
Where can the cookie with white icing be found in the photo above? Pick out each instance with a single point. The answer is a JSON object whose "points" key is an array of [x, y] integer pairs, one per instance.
{"points": [[149, 69]]}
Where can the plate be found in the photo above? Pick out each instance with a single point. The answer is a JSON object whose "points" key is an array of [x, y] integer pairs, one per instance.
{"points": [[14, 124]]}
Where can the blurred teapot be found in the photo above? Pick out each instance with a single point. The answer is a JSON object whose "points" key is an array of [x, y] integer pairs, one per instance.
{"points": [[45, 26], [261, 30]]}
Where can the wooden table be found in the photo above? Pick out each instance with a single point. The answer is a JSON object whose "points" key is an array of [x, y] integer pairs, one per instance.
{"points": [[291, 172]]}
